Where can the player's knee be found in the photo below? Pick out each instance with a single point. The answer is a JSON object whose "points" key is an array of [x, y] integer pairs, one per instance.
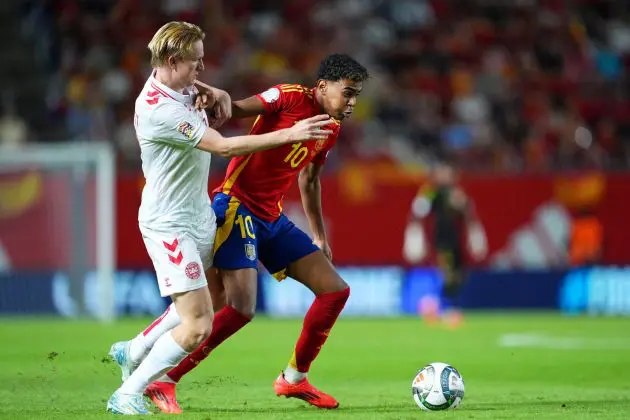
{"points": [[245, 307], [340, 292], [248, 312], [338, 284], [343, 285], [345, 293], [243, 301], [198, 329], [200, 332]]}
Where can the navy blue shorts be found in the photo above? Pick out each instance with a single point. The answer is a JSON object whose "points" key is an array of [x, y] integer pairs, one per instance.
{"points": [[243, 238]]}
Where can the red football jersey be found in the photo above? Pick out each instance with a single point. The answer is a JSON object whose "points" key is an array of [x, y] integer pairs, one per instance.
{"points": [[260, 180]]}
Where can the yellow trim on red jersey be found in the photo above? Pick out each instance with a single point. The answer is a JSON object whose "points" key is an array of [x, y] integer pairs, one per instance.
{"points": [[229, 183], [305, 91], [258, 117], [296, 88], [223, 231], [283, 87]]}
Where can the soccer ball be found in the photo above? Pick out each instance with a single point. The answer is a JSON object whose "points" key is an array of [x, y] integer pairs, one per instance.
{"points": [[438, 386]]}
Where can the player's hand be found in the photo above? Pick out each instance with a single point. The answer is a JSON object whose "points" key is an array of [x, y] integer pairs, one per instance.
{"points": [[310, 129], [220, 107], [324, 246], [204, 101], [204, 96]]}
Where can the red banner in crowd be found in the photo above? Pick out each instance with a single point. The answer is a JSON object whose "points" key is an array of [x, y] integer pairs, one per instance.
{"points": [[526, 218]]}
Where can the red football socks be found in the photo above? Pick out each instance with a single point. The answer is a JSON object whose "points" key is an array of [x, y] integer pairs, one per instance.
{"points": [[318, 322], [226, 322]]}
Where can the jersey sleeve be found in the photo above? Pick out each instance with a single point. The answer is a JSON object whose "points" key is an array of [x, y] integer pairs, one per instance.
{"points": [[280, 97], [175, 125]]}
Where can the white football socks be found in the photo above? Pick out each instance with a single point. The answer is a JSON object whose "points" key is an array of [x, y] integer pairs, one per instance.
{"points": [[293, 376], [164, 355], [143, 342]]}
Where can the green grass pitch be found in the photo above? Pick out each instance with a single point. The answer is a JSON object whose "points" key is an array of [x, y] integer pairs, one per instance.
{"points": [[518, 366]]}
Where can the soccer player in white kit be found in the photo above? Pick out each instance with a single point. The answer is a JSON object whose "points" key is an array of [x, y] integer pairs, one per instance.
{"points": [[176, 219]]}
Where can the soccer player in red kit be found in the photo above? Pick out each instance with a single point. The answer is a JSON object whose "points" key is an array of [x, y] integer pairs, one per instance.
{"points": [[252, 227]]}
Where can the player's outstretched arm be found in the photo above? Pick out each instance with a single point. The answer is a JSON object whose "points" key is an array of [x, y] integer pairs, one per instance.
{"points": [[248, 107], [308, 129]]}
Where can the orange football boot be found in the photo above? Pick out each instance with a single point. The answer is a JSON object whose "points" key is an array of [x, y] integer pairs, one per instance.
{"points": [[304, 391], [163, 396]]}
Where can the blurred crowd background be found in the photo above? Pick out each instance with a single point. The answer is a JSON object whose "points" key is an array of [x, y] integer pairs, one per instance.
{"points": [[492, 85], [529, 101]]}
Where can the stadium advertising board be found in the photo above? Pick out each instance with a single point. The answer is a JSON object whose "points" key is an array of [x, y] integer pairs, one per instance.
{"points": [[376, 291], [526, 218]]}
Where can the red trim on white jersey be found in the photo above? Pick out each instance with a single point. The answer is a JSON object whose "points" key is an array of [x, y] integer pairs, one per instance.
{"points": [[154, 86]]}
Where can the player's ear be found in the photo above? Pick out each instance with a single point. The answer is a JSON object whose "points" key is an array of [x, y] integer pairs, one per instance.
{"points": [[322, 85], [172, 62]]}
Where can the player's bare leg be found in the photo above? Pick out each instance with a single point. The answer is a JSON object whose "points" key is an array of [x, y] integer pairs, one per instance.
{"points": [[195, 310], [240, 295], [163, 391], [216, 288], [316, 272], [234, 294], [132, 352]]}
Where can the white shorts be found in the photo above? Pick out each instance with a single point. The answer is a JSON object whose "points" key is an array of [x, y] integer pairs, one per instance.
{"points": [[180, 259]]}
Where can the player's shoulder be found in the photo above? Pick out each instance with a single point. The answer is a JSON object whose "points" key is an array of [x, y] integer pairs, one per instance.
{"points": [[290, 88], [293, 91], [297, 91], [153, 104]]}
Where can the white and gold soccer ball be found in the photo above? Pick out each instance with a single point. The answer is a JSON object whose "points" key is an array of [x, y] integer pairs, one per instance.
{"points": [[438, 386]]}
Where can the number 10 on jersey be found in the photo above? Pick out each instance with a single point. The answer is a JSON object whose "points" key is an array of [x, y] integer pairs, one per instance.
{"points": [[247, 226], [296, 155]]}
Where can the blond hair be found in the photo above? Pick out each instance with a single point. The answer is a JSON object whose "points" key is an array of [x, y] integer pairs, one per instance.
{"points": [[174, 39]]}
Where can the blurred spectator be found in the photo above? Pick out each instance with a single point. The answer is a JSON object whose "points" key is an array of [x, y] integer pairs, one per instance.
{"points": [[14, 131]]}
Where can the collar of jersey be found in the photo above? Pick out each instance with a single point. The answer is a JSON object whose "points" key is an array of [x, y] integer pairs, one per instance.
{"points": [[168, 92]]}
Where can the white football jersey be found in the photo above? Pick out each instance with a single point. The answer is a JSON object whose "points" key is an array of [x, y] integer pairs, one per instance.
{"points": [[168, 127]]}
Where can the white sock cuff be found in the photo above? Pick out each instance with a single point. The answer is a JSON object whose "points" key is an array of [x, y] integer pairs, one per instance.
{"points": [[164, 355], [292, 375], [147, 338], [170, 350]]}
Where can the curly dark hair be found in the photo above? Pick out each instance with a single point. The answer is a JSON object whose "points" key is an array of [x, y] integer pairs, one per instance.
{"points": [[341, 66]]}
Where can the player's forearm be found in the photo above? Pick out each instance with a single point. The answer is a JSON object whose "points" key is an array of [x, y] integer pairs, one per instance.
{"points": [[248, 107], [239, 112], [310, 190], [244, 145]]}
